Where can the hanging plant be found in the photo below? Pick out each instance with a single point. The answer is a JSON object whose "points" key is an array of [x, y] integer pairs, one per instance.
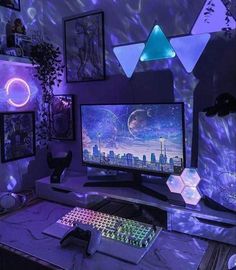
{"points": [[47, 62]]}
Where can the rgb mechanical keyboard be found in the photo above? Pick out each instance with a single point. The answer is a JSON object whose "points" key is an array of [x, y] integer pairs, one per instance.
{"points": [[127, 231]]}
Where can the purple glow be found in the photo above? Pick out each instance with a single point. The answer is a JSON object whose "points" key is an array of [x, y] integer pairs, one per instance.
{"points": [[128, 56], [217, 155], [208, 22], [190, 177], [8, 87], [191, 195], [175, 184], [186, 185], [189, 49]]}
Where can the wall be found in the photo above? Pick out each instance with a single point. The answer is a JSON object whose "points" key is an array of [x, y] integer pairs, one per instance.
{"points": [[132, 22], [126, 22], [20, 174]]}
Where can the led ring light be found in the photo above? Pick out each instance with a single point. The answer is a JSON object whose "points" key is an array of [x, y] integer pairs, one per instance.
{"points": [[8, 86]]}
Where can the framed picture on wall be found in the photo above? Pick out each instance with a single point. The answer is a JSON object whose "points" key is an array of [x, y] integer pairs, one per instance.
{"points": [[84, 47], [62, 117], [13, 4], [17, 135]]}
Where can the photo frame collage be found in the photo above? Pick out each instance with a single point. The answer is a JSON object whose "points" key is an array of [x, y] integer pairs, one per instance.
{"points": [[17, 129]]}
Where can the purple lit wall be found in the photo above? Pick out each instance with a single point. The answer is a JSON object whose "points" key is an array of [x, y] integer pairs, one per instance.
{"points": [[217, 155], [155, 81], [133, 22], [20, 174]]}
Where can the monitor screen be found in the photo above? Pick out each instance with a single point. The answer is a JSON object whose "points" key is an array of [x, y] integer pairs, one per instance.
{"points": [[145, 138]]}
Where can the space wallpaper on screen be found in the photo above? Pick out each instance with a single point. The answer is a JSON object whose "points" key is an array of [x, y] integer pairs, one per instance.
{"points": [[142, 137]]}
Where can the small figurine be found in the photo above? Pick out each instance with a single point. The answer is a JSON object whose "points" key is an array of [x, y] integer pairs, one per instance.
{"points": [[18, 27]]}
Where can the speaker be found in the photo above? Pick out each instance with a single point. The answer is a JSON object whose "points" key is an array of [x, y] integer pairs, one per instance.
{"points": [[10, 201]]}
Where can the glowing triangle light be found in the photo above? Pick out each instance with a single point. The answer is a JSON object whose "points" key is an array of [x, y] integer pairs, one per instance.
{"points": [[189, 49], [212, 18], [128, 56], [157, 46]]}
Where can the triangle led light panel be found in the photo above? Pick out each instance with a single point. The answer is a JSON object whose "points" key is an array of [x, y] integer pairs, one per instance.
{"points": [[128, 56], [189, 49], [210, 21], [157, 46]]}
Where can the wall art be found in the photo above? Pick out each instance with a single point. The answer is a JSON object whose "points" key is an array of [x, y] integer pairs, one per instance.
{"points": [[84, 47], [17, 135], [62, 117]]}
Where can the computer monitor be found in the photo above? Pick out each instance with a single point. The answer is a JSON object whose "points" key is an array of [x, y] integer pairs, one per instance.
{"points": [[140, 138]]}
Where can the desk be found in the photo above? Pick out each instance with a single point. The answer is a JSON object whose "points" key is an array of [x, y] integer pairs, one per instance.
{"points": [[22, 231], [200, 220]]}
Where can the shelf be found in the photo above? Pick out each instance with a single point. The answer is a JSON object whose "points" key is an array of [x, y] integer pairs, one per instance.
{"points": [[14, 60]]}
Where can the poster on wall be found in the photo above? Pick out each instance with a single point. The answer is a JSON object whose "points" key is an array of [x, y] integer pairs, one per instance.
{"points": [[62, 117], [17, 135], [84, 47], [12, 4]]}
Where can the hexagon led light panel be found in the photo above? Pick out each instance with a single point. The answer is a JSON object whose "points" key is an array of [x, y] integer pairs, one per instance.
{"points": [[190, 177], [186, 185], [191, 195], [175, 184]]}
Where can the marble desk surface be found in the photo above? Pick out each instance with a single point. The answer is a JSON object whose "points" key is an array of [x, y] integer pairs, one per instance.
{"points": [[22, 231]]}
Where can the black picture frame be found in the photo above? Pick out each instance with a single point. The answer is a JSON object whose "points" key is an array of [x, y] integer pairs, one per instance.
{"points": [[12, 4], [84, 47], [62, 117], [17, 135]]}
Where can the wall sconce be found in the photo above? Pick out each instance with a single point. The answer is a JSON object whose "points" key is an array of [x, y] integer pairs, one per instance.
{"points": [[8, 87]]}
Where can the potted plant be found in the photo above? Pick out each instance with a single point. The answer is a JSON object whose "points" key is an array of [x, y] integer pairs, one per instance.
{"points": [[46, 59]]}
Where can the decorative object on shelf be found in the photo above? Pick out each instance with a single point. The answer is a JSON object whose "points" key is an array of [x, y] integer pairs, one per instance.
{"points": [[84, 47], [13, 51], [17, 135], [18, 27], [157, 46], [128, 56], [17, 38], [12, 4], [47, 62], [62, 117], [186, 185], [225, 104], [15, 99], [214, 17], [21, 43]]}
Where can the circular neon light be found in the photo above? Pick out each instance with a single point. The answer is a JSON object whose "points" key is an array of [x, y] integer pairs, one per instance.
{"points": [[8, 87]]}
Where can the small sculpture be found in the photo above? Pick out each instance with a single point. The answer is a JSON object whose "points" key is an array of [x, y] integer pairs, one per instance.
{"points": [[18, 27]]}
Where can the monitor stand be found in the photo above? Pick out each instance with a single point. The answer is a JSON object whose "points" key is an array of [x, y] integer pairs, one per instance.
{"points": [[136, 183]]}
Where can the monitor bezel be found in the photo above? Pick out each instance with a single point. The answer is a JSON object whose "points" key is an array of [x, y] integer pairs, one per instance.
{"points": [[133, 170]]}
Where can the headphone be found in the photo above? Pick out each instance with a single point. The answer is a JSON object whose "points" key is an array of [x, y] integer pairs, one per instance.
{"points": [[10, 201]]}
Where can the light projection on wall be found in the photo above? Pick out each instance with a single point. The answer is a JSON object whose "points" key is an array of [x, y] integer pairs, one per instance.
{"points": [[212, 18], [157, 46], [186, 184], [216, 159], [189, 49], [18, 92], [128, 56]]}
